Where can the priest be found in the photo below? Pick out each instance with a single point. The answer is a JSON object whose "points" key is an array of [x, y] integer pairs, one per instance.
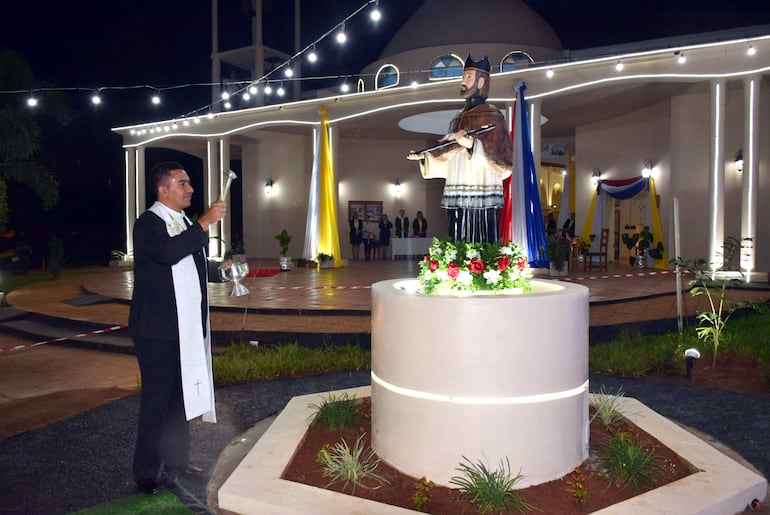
{"points": [[169, 324]]}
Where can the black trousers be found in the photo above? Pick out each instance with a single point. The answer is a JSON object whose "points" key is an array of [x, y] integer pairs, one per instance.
{"points": [[163, 435]]}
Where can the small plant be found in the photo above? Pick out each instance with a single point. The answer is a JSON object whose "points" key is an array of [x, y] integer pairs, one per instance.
{"points": [[335, 412], [283, 240], [323, 258], [557, 250], [606, 408], [323, 452], [351, 466], [642, 245], [422, 489], [629, 462], [576, 486], [490, 491], [711, 324]]}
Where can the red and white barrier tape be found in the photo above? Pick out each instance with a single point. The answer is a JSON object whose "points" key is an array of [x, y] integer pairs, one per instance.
{"points": [[81, 335]]}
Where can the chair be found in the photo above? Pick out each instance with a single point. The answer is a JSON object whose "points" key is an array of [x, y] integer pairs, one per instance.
{"points": [[589, 263]]}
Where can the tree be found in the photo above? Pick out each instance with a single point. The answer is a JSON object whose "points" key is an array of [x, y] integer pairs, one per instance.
{"points": [[20, 136]]}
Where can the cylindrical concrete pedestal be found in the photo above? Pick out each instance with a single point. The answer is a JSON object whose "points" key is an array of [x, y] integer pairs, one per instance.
{"points": [[486, 377]]}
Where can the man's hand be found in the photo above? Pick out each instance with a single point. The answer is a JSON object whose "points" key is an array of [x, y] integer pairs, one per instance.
{"points": [[213, 214]]}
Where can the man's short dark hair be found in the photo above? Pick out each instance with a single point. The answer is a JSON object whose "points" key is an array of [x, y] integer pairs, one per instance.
{"points": [[160, 172]]}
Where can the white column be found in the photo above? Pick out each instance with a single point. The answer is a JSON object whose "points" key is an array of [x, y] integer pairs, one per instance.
{"points": [[211, 188], [716, 209], [750, 171], [141, 181], [224, 225], [130, 157]]}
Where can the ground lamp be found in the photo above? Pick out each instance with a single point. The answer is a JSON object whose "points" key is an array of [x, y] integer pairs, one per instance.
{"points": [[690, 356]]}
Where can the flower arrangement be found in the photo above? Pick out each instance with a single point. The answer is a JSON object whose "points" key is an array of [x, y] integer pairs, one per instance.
{"points": [[453, 268]]}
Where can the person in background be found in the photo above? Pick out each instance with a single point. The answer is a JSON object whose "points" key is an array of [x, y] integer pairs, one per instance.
{"points": [[386, 226], [550, 225], [169, 324], [569, 226], [402, 225], [419, 226], [356, 235], [370, 238]]}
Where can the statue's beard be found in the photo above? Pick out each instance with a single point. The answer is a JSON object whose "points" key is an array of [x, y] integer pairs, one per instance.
{"points": [[467, 92]]}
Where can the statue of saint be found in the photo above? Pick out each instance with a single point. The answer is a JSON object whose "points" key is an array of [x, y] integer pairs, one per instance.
{"points": [[474, 158]]}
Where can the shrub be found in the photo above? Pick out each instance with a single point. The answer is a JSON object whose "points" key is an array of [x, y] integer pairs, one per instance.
{"points": [[491, 491]]}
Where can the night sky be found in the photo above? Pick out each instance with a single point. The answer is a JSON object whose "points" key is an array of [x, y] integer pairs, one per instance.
{"points": [[85, 45]]}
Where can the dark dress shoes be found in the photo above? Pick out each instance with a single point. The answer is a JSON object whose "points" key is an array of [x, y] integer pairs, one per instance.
{"points": [[148, 486]]}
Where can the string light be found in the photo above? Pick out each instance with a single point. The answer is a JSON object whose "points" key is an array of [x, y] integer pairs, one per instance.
{"points": [[281, 92], [288, 72], [312, 56], [31, 101], [268, 89], [341, 36], [96, 99], [549, 73], [156, 100], [619, 66], [376, 15], [344, 88], [751, 50]]}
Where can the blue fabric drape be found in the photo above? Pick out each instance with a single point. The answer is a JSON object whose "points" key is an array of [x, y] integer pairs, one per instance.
{"points": [[535, 227]]}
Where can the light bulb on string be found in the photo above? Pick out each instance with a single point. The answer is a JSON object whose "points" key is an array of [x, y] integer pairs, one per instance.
{"points": [[225, 95], [253, 89], [268, 89], [281, 92], [156, 100], [344, 88], [312, 56], [96, 99], [288, 72], [31, 101], [341, 36], [246, 96], [376, 15], [228, 105]]}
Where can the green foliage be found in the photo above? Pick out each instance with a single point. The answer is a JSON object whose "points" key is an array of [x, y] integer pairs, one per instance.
{"points": [[56, 256], [351, 466], [283, 240], [140, 504], [576, 486], [244, 362], [335, 412], [629, 462], [21, 137], [606, 408], [634, 355], [711, 324], [557, 250], [422, 489], [490, 491]]}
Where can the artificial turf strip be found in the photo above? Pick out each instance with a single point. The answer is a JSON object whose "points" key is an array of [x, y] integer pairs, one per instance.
{"points": [[140, 504]]}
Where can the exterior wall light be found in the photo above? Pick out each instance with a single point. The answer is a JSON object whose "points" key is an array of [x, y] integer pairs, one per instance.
{"points": [[647, 168], [269, 187], [739, 161]]}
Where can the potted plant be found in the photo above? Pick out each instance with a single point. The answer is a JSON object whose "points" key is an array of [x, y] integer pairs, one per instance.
{"points": [[283, 240], [641, 244], [325, 260], [557, 250]]}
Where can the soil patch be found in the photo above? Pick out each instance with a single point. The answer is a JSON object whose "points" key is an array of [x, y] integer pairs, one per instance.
{"points": [[551, 497]]}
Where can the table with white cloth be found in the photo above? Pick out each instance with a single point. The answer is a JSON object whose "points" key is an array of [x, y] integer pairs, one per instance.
{"points": [[406, 247]]}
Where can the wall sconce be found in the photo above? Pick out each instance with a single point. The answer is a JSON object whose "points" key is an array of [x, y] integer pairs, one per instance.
{"points": [[269, 187], [596, 176], [647, 168], [739, 161], [398, 187]]}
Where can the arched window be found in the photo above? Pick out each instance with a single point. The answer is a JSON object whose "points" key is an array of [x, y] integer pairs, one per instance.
{"points": [[360, 87], [387, 77], [516, 60], [446, 67]]}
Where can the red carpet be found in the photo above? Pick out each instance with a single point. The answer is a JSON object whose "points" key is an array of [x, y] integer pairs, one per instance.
{"points": [[264, 272]]}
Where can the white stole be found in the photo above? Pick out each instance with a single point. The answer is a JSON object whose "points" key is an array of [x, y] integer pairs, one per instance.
{"points": [[194, 348]]}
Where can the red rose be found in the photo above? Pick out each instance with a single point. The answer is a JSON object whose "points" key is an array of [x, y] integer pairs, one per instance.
{"points": [[503, 262], [476, 266], [433, 265], [453, 270], [522, 265]]}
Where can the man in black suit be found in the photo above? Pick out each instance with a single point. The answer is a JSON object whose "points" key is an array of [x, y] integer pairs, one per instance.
{"points": [[420, 226], [168, 323]]}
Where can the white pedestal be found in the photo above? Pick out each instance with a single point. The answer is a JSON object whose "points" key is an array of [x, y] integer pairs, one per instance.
{"points": [[485, 377]]}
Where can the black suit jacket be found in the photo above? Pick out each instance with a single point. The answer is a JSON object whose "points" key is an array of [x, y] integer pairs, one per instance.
{"points": [[153, 303]]}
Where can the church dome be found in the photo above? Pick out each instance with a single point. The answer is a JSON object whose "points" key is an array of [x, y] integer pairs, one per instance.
{"points": [[439, 23]]}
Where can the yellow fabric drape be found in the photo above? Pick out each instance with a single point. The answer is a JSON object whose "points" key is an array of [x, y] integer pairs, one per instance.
{"points": [[571, 179], [586, 235], [657, 228], [328, 234]]}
